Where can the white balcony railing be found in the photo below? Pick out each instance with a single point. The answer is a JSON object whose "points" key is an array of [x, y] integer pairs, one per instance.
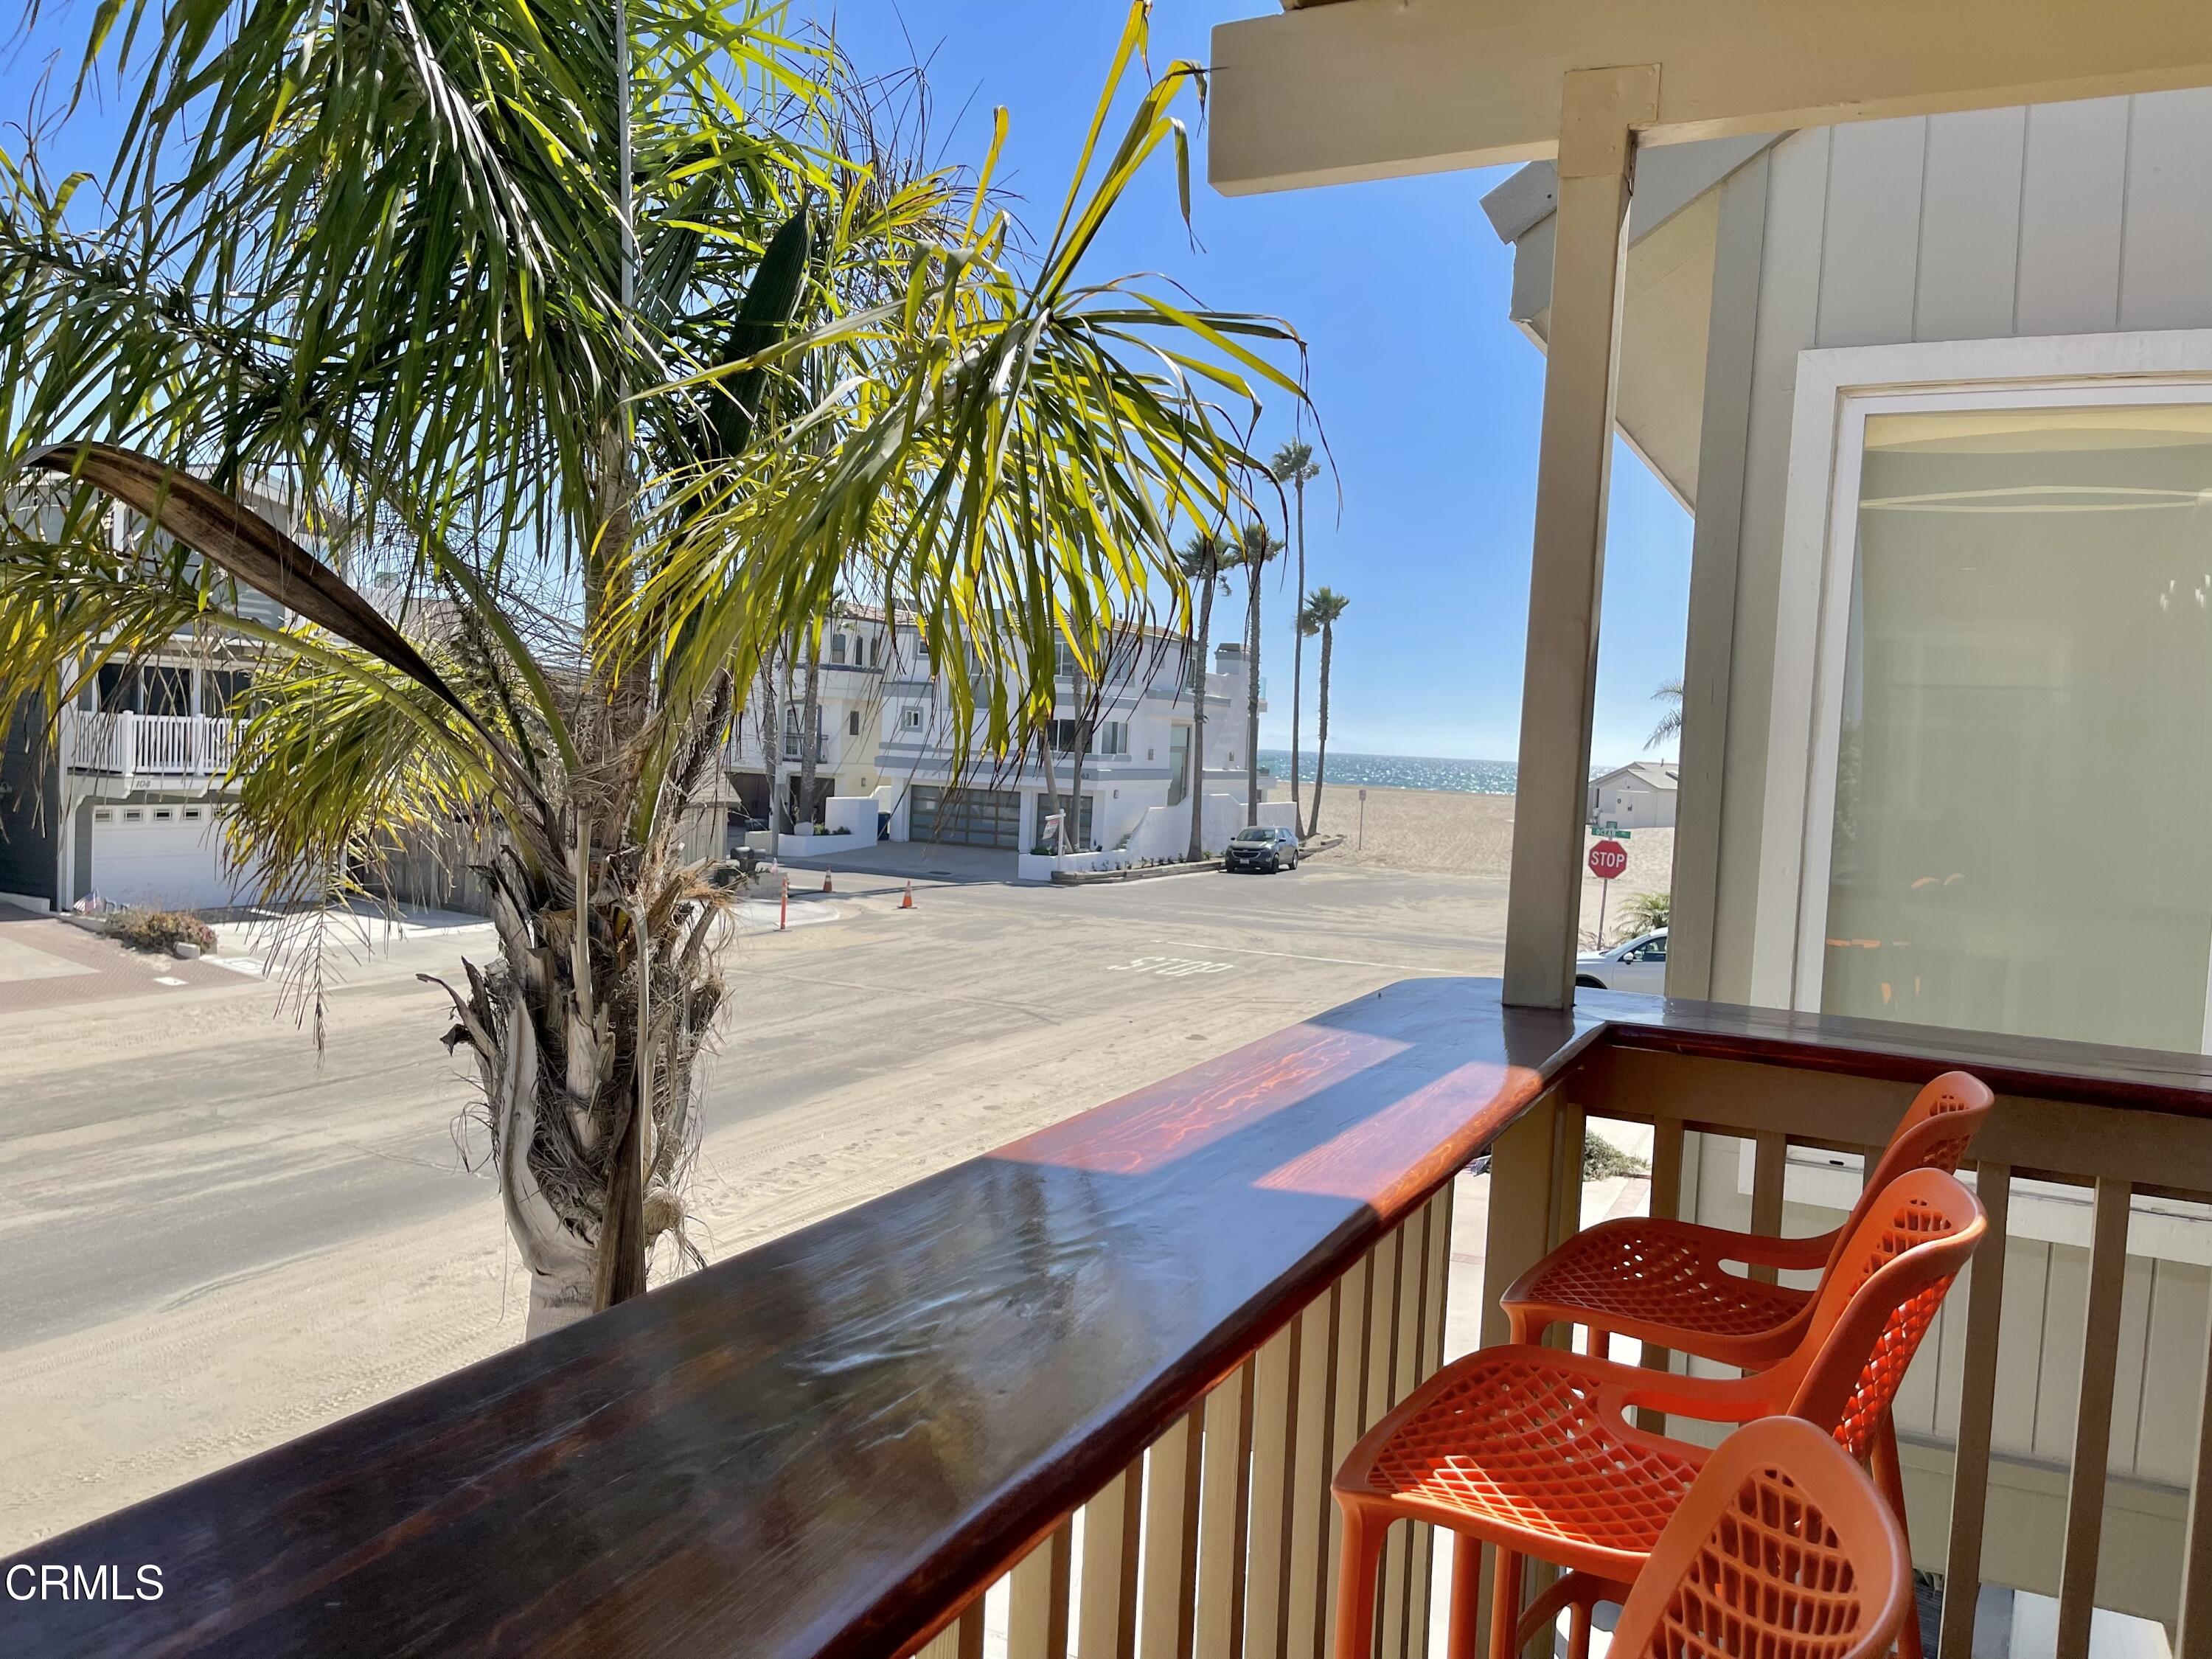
{"points": [[128, 745]]}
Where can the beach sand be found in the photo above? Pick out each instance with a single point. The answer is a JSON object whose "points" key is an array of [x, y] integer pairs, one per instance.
{"points": [[1471, 834]]}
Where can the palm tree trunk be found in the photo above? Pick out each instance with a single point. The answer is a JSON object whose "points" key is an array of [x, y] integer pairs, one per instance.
{"points": [[1252, 701], [1198, 724], [1073, 823], [1321, 751], [810, 718], [1298, 659], [1051, 794]]}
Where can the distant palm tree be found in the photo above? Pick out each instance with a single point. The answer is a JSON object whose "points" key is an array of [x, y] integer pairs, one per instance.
{"points": [[1254, 547], [1202, 560], [1670, 723], [1294, 464], [1318, 616]]}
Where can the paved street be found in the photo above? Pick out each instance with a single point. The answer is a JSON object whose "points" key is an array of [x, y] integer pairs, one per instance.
{"points": [[217, 1239]]}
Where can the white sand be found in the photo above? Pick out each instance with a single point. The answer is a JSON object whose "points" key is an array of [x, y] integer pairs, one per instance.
{"points": [[1473, 834]]}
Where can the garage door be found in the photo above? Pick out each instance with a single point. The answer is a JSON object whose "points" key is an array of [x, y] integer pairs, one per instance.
{"points": [[169, 856], [966, 818]]}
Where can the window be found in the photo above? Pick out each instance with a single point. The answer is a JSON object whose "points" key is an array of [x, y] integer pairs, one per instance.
{"points": [[167, 690], [1178, 765], [837, 649], [852, 724], [1068, 736], [910, 720], [1114, 738], [2006, 689]]}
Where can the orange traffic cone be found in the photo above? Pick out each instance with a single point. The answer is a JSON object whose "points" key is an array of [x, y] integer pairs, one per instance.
{"points": [[826, 887], [906, 904]]}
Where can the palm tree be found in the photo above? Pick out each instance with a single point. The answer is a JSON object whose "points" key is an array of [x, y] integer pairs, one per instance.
{"points": [[1202, 560], [1256, 545], [1670, 723], [635, 336], [1293, 464], [1319, 617]]}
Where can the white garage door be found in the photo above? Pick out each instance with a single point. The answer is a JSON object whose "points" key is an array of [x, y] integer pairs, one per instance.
{"points": [[166, 856]]}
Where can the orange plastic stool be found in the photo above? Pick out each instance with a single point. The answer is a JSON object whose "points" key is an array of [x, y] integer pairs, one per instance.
{"points": [[1779, 1548], [1530, 1448], [1664, 1282]]}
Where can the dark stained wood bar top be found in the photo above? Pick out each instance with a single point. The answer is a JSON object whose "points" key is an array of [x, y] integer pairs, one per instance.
{"points": [[813, 1448]]}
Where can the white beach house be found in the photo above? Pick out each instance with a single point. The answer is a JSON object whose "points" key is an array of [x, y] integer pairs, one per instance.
{"points": [[884, 728]]}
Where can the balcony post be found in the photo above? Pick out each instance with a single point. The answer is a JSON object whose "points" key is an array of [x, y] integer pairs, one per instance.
{"points": [[126, 744], [1601, 111]]}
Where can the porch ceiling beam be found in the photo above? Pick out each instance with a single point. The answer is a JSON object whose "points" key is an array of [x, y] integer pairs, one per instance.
{"points": [[1380, 88]]}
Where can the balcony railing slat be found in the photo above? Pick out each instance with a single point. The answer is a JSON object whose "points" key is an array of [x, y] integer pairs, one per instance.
{"points": [[1037, 1598], [1313, 1461], [2093, 1425], [1769, 1161], [1406, 1362], [1106, 1618], [2193, 1639], [1348, 1406], [1435, 1275], [961, 1639], [1173, 1472], [1224, 1515], [1978, 1392], [1274, 1424], [1666, 1202]]}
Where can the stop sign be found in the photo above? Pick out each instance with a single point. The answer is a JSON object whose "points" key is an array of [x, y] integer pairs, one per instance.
{"points": [[1607, 860]]}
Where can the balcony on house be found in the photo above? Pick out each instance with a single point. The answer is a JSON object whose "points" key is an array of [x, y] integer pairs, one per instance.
{"points": [[1093, 1384], [147, 749]]}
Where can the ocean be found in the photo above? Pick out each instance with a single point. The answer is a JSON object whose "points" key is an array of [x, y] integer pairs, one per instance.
{"points": [[1466, 777]]}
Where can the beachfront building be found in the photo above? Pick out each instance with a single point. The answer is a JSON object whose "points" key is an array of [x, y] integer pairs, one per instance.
{"points": [[121, 799], [884, 727], [1637, 796]]}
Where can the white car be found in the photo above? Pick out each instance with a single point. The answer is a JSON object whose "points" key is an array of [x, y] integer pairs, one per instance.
{"points": [[1638, 965]]}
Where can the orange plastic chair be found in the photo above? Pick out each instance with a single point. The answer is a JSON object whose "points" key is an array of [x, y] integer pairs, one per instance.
{"points": [[1664, 1282], [1531, 1448], [1780, 1549]]}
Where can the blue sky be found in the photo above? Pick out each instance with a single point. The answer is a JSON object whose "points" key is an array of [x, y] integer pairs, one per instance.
{"points": [[1429, 397]]}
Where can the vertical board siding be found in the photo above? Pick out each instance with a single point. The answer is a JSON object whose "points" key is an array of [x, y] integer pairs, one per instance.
{"points": [[2072, 195], [2166, 1421], [1870, 251], [1969, 243], [1788, 301], [2165, 251]]}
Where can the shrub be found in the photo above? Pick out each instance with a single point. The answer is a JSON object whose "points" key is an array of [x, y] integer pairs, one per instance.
{"points": [[157, 930], [1601, 1158]]}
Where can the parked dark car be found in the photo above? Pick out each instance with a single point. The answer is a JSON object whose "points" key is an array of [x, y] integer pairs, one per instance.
{"points": [[1262, 849]]}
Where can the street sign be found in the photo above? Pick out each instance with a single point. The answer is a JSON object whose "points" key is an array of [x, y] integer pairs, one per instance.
{"points": [[1608, 858]]}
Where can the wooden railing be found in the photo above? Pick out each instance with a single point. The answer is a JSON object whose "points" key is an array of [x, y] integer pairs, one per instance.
{"points": [[1083, 1395]]}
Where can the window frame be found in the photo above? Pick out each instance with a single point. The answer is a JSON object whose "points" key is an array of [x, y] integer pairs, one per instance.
{"points": [[1837, 389]]}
